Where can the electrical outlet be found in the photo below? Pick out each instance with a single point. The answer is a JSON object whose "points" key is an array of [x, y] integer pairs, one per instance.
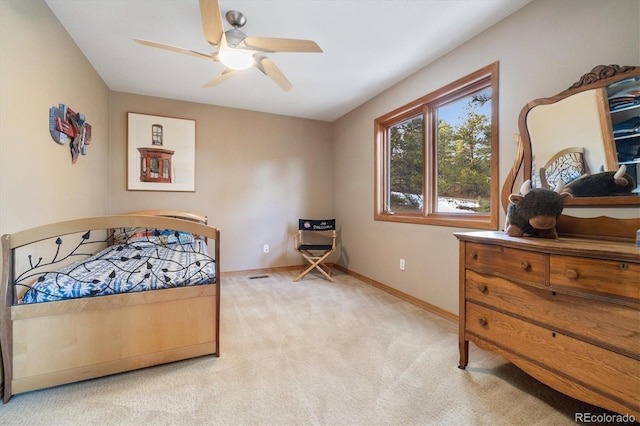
{"points": [[265, 248], [402, 264]]}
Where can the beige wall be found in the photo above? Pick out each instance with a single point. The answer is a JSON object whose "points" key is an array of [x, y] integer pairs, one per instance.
{"points": [[256, 174], [41, 67], [543, 49]]}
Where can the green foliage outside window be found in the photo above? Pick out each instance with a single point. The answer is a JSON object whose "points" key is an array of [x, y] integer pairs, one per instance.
{"points": [[407, 165], [463, 159]]}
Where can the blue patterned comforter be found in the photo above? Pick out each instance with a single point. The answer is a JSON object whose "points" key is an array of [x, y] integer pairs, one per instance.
{"points": [[133, 266]]}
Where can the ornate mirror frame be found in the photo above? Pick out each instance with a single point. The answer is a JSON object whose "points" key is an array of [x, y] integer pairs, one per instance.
{"points": [[600, 77]]}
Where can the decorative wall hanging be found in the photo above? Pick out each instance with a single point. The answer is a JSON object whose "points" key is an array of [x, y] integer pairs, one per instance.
{"points": [[160, 153], [67, 125]]}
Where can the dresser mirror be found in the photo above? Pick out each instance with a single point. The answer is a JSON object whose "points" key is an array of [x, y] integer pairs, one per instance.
{"points": [[572, 133]]}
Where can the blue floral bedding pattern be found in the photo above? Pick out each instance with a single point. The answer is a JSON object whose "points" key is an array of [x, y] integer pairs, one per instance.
{"points": [[145, 263]]}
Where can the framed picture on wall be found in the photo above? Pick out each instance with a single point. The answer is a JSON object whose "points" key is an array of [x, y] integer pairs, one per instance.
{"points": [[161, 153]]}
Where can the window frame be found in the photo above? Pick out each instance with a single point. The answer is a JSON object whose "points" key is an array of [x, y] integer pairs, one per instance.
{"points": [[484, 77]]}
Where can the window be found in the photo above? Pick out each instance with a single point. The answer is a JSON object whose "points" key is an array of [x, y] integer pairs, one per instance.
{"points": [[156, 134], [436, 159]]}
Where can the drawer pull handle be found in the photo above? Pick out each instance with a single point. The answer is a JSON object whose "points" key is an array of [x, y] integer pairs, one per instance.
{"points": [[524, 265], [482, 321], [482, 288], [474, 255], [572, 274]]}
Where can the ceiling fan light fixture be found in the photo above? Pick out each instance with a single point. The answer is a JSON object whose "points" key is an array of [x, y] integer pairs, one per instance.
{"points": [[235, 50], [235, 59]]}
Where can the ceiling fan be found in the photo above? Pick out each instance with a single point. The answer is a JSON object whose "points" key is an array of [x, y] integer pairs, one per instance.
{"points": [[235, 50]]}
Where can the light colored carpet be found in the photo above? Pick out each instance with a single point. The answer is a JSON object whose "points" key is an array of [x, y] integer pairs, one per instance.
{"points": [[311, 352]]}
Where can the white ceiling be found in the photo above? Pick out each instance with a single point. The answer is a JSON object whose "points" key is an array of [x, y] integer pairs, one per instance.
{"points": [[368, 46]]}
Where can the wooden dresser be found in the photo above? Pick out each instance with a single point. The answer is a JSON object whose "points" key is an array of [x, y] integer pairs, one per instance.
{"points": [[565, 311]]}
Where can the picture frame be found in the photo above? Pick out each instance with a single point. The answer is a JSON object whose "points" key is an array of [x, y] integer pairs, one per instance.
{"points": [[160, 153]]}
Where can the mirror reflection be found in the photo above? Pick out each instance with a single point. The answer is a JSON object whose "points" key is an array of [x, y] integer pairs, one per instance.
{"points": [[554, 128], [624, 107], [587, 137]]}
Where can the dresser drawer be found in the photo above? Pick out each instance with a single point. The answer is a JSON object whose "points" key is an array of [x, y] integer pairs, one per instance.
{"points": [[595, 275], [518, 265], [614, 375], [614, 325]]}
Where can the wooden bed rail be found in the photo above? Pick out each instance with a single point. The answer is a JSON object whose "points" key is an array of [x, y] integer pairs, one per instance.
{"points": [[179, 214], [22, 238]]}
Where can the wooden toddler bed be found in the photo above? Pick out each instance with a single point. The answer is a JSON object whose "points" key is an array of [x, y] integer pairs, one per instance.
{"points": [[65, 318]]}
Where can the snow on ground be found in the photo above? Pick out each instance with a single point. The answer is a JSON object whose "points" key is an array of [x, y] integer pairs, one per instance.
{"points": [[445, 204], [455, 205]]}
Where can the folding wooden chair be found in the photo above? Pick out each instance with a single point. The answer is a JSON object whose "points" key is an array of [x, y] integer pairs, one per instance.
{"points": [[316, 240]]}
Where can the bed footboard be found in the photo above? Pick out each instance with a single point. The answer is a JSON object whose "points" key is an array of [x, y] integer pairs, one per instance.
{"points": [[83, 339]]}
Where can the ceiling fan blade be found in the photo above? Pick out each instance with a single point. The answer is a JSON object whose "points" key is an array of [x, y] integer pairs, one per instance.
{"points": [[226, 75], [174, 49], [270, 69], [271, 44], [211, 21]]}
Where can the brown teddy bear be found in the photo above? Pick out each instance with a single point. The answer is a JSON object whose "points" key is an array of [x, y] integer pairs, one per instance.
{"points": [[534, 212]]}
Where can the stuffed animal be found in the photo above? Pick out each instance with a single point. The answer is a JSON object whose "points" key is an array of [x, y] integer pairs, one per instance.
{"points": [[602, 184], [534, 212]]}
